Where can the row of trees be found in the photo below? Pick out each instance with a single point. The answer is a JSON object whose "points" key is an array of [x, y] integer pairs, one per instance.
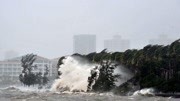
{"points": [[155, 66], [28, 77], [106, 80]]}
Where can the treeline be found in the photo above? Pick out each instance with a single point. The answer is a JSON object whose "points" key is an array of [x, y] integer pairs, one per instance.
{"points": [[28, 77], [155, 66]]}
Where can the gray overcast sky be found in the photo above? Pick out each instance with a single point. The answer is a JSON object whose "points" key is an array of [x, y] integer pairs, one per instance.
{"points": [[46, 27]]}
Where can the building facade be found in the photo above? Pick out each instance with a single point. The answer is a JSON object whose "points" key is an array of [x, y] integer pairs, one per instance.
{"points": [[116, 44], [13, 67], [54, 67], [161, 40], [84, 44]]}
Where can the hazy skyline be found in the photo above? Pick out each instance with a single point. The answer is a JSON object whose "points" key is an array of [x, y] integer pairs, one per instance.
{"points": [[46, 27]]}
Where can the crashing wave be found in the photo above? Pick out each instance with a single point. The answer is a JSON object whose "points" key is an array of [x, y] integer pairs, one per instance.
{"points": [[74, 76], [78, 75], [145, 92]]}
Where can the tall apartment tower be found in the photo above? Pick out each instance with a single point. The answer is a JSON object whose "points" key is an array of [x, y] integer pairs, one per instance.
{"points": [[84, 44], [161, 40], [116, 44]]}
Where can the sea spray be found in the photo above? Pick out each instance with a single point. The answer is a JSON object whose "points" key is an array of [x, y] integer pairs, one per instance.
{"points": [[125, 74], [74, 75], [145, 91]]}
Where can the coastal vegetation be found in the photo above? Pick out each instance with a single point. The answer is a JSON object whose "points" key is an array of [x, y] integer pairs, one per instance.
{"points": [[28, 77], [154, 66]]}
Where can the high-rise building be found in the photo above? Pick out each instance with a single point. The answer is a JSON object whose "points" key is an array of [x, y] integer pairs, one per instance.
{"points": [[161, 40], [116, 44], [84, 44]]}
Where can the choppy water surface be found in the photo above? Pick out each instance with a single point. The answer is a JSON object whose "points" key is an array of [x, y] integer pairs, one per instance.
{"points": [[33, 94]]}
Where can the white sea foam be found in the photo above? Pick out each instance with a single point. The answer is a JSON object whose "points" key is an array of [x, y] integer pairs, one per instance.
{"points": [[146, 91], [26, 88], [74, 75]]}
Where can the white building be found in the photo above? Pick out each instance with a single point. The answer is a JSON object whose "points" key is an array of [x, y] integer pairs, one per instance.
{"points": [[161, 40], [13, 67], [116, 44], [54, 67], [84, 44]]}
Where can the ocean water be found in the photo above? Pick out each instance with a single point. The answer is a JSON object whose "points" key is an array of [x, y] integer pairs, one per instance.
{"points": [[21, 93]]}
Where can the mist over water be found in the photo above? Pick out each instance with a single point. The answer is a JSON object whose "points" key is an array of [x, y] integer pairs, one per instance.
{"points": [[125, 74]]}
